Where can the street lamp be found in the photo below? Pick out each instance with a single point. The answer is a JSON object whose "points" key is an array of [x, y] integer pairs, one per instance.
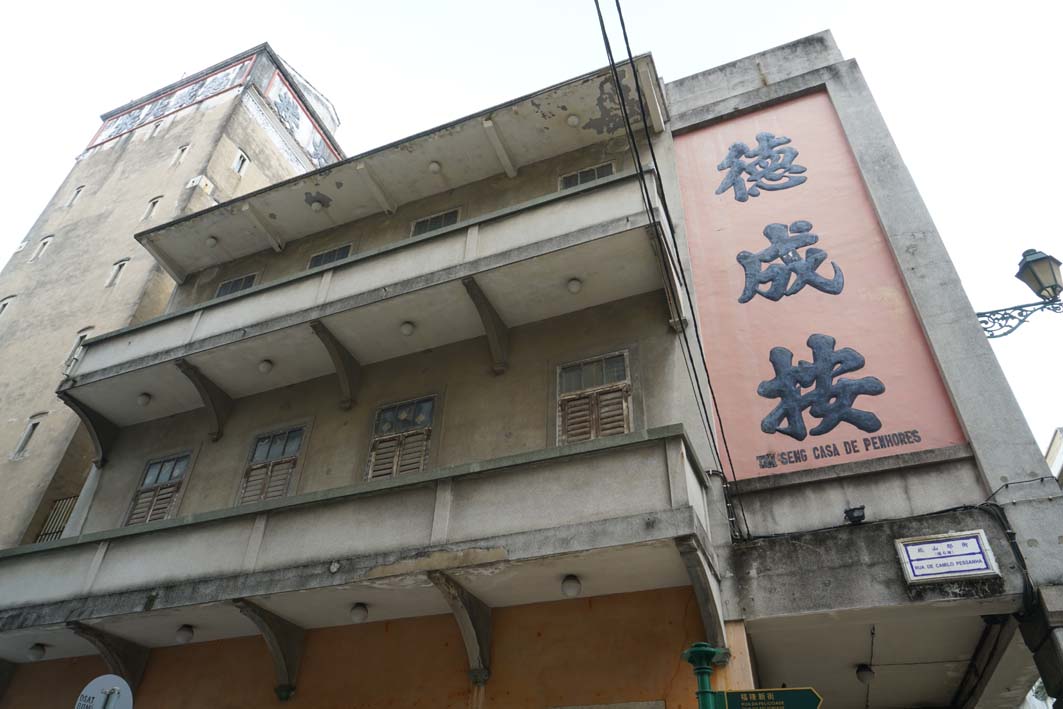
{"points": [[1040, 272]]}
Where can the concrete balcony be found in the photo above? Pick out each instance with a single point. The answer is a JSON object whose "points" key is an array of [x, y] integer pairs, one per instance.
{"points": [[479, 277], [626, 513]]}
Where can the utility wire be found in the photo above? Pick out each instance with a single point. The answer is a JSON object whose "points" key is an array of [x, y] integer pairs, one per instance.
{"points": [[671, 254]]}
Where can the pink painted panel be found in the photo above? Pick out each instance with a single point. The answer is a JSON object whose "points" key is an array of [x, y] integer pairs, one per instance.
{"points": [[872, 314]]}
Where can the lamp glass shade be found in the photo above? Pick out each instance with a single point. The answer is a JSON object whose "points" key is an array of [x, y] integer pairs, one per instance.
{"points": [[1040, 272]]}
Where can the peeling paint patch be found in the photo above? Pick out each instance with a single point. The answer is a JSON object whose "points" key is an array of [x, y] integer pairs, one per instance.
{"points": [[311, 197], [611, 118], [339, 185]]}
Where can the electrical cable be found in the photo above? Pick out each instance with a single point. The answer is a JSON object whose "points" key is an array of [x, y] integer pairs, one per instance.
{"points": [[671, 255]]}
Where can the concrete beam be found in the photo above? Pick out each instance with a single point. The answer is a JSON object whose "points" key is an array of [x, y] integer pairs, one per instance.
{"points": [[496, 330], [500, 150], [215, 401], [102, 430], [272, 237], [706, 590], [652, 99], [375, 189], [123, 657], [348, 370], [284, 640], [474, 622]]}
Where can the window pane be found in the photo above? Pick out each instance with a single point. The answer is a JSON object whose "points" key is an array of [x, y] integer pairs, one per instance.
{"points": [[166, 471], [420, 227], [295, 439], [570, 378], [615, 371], [261, 450], [276, 446], [450, 218], [152, 475], [404, 416], [385, 422], [569, 181], [179, 467], [604, 170], [592, 374], [422, 417]]}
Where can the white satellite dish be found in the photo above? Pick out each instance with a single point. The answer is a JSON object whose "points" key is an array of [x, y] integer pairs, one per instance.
{"points": [[106, 692]]}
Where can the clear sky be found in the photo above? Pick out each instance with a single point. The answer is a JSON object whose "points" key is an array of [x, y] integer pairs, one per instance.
{"points": [[966, 88]]}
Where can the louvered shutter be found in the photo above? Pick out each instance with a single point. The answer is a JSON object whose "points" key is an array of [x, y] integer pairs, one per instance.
{"points": [[400, 454], [612, 411], [267, 481], [576, 418], [58, 516], [153, 504]]}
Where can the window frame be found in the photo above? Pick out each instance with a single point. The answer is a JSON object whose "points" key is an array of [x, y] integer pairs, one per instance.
{"points": [[634, 420], [561, 178], [153, 205], [75, 195], [79, 344], [254, 281], [6, 303], [116, 272], [179, 156], [42, 245], [178, 498], [436, 432], [309, 261], [415, 222], [33, 423], [241, 162], [307, 424]]}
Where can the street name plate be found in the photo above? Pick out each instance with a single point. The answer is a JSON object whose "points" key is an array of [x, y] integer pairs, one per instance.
{"points": [[946, 557], [796, 698]]}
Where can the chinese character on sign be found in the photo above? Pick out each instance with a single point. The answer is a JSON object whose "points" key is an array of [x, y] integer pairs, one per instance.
{"points": [[826, 397], [794, 271], [770, 166]]}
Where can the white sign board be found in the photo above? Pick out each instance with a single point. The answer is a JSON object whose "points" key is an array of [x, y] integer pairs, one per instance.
{"points": [[946, 557], [105, 692]]}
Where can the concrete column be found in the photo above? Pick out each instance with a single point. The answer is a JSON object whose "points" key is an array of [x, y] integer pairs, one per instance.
{"points": [[80, 513], [737, 674]]}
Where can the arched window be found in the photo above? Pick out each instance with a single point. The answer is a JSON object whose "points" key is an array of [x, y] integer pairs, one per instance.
{"points": [[75, 195], [152, 205], [179, 155]]}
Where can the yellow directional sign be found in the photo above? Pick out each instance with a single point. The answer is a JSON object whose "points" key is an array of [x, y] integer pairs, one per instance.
{"points": [[789, 698]]}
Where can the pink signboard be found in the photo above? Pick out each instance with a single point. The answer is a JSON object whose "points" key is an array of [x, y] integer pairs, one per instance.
{"points": [[813, 347]]}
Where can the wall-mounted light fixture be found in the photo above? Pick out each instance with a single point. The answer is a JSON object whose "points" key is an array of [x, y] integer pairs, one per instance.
{"points": [[1040, 272], [571, 586]]}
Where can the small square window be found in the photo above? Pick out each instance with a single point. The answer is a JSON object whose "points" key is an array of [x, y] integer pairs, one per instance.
{"points": [[401, 434], [330, 256], [235, 285], [240, 163], [156, 498], [434, 222], [589, 174], [594, 398], [271, 469]]}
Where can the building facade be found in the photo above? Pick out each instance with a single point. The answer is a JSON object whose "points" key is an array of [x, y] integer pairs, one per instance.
{"points": [[507, 414]]}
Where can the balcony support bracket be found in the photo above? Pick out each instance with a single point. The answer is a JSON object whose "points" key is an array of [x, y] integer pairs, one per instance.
{"points": [[284, 640], [215, 401], [706, 591], [500, 150], [348, 371], [101, 429], [474, 622], [275, 241], [497, 332], [375, 189], [123, 657]]}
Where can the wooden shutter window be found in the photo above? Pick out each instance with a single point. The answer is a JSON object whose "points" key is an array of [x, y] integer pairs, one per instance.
{"points": [[595, 399], [157, 497], [401, 437], [272, 467]]}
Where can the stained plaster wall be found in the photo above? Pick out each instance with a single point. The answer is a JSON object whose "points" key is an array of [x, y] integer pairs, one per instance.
{"points": [[479, 416], [587, 651], [64, 291], [382, 229]]}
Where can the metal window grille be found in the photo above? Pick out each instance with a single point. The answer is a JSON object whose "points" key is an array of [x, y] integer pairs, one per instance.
{"points": [[157, 496], [401, 436], [272, 467], [436, 221], [235, 285], [594, 399], [330, 256], [58, 516], [590, 174]]}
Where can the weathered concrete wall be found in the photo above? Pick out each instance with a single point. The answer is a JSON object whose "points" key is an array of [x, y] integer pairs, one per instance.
{"points": [[479, 415], [587, 651], [383, 229]]}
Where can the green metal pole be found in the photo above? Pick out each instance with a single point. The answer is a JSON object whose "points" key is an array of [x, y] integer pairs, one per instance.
{"points": [[701, 655]]}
